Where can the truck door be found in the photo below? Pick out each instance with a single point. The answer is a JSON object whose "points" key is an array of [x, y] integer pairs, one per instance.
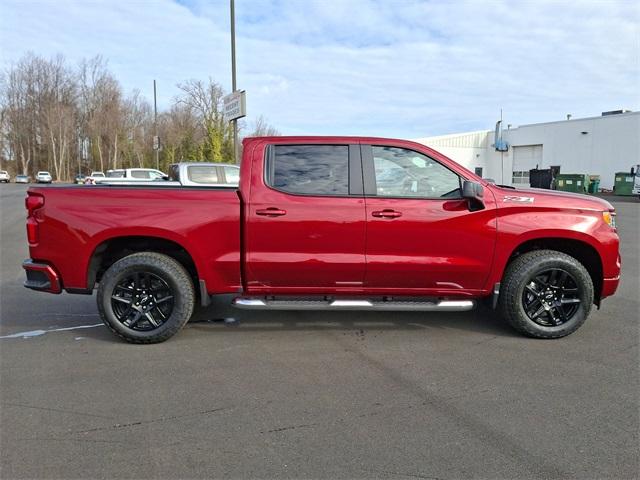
{"points": [[305, 219], [421, 236]]}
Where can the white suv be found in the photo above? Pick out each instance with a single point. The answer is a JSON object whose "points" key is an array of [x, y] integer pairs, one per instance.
{"points": [[4, 176], [127, 175], [43, 177]]}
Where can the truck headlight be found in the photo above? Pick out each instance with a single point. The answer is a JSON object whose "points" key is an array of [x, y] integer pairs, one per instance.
{"points": [[609, 218]]}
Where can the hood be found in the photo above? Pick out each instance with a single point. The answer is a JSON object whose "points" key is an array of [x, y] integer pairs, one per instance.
{"points": [[543, 197]]}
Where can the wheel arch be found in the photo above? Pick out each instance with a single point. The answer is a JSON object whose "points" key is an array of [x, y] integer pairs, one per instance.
{"points": [[112, 249], [582, 251]]}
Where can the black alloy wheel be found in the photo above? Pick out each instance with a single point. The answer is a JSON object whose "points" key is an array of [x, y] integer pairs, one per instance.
{"points": [[546, 294], [142, 301], [551, 297]]}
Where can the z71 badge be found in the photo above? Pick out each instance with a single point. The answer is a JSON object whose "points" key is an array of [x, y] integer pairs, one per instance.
{"points": [[517, 199]]}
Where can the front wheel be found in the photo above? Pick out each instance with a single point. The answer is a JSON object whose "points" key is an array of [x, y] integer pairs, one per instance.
{"points": [[546, 294], [146, 297]]}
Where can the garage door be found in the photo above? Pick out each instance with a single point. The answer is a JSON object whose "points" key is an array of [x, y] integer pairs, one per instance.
{"points": [[524, 159]]}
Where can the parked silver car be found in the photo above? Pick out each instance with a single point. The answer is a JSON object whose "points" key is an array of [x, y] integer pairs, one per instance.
{"points": [[23, 179]]}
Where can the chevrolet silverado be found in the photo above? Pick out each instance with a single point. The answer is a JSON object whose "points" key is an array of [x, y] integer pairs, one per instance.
{"points": [[326, 223]]}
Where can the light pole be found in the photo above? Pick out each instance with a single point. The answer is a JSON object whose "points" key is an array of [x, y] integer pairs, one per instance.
{"points": [[233, 76], [156, 140]]}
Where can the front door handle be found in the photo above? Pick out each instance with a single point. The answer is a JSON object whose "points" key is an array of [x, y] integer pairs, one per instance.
{"points": [[271, 212], [386, 213]]}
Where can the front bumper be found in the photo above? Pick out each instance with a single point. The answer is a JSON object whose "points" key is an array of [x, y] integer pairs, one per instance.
{"points": [[41, 277], [609, 286]]}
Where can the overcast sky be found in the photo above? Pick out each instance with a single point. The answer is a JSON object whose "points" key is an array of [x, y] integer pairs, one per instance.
{"points": [[387, 68]]}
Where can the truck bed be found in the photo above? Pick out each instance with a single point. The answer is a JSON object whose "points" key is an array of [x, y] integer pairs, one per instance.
{"points": [[77, 222]]}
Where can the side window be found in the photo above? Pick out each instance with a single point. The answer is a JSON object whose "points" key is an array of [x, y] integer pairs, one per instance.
{"points": [[202, 173], [309, 169], [232, 175], [140, 174], [404, 173], [155, 175]]}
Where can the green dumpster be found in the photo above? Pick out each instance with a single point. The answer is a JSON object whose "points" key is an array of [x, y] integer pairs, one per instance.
{"points": [[572, 182], [594, 183], [623, 184]]}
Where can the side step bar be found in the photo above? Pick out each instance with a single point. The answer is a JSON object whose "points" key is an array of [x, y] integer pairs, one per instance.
{"points": [[249, 303]]}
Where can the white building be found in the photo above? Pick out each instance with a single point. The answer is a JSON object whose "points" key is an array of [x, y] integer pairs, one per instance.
{"points": [[595, 146]]}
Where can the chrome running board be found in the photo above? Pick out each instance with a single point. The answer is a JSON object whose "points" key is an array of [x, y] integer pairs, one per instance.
{"points": [[250, 303]]}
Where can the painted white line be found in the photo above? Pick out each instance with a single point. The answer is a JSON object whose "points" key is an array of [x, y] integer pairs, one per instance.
{"points": [[37, 333]]}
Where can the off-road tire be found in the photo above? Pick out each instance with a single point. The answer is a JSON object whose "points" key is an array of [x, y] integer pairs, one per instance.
{"points": [[521, 270], [171, 271]]}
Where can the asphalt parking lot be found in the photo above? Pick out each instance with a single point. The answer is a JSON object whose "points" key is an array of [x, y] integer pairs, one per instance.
{"points": [[312, 394]]}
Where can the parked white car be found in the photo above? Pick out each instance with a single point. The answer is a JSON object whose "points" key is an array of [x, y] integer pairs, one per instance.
{"points": [[128, 175], [23, 178], [4, 176], [43, 177]]}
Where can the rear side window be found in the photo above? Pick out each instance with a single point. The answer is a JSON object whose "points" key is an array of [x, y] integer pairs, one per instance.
{"points": [[140, 174], [309, 169], [232, 175], [203, 174]]}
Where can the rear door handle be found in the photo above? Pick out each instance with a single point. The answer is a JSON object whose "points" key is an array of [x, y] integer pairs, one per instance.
{"points": [[271, 212], [386, 213]]}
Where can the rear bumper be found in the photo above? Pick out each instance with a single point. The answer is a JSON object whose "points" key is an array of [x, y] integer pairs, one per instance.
{"points": [[41, 277]]}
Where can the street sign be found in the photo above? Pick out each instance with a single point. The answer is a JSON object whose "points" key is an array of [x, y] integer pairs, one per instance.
{"points": [[235, 105], [156, 142]]}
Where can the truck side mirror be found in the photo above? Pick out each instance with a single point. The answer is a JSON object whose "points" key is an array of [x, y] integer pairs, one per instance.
{"points": [[474, 193]]}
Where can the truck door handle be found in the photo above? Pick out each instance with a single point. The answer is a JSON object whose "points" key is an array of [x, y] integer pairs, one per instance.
{"points": [[271, 212], [386, 213]]}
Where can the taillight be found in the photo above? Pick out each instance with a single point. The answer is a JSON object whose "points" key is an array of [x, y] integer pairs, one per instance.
{"points": [[33, 203], [32, 230]]}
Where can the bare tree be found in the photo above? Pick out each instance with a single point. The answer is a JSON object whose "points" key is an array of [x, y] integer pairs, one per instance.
{"points": [[59, 113], [262, 128], [101, 110], [138, 124], [55, 117], [205, 100]]}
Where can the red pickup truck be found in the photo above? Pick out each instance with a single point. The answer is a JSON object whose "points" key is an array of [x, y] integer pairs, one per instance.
{"points": [[326, 223]]}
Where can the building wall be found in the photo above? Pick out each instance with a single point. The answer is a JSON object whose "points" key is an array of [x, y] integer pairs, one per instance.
{"points": [[611, 144]]}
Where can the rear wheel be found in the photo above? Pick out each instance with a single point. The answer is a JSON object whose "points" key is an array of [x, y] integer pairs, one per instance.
{"points": [[546, 294], [146, 297]]}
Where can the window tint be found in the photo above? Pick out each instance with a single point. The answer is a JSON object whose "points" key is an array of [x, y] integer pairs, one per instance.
{"points": [[203, 174], [405, 173], [232, 175], [310, 169], [140, 174]]}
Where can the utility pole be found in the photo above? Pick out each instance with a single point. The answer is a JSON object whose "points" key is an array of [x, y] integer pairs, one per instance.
{"points": [[233, 76], [156, 139]]}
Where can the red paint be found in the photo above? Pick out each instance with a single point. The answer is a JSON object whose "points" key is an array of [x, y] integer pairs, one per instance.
{"points": [[294, 244]]}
